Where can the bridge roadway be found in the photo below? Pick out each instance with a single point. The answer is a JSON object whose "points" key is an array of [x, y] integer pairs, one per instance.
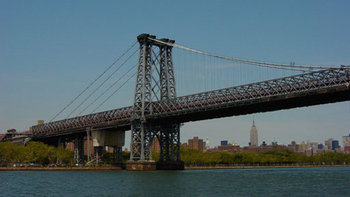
{"points": [[319, 87]]}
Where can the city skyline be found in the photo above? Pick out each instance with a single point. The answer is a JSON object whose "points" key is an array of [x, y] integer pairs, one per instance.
{"points": [[206, 142], [307, 148], [35, 83], [272, 141]]}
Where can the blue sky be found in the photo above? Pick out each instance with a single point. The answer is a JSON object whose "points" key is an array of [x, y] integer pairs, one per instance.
{"points": [[51, 50]]}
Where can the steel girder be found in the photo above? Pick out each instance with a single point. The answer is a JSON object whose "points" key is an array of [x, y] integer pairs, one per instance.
{"points": [[79, 149], [169, 141], [167, 76], [303, 83], [142, 133], [168, 135], [143, 86], [116, 116], [117, 155], [220, 98], [141, 140]]}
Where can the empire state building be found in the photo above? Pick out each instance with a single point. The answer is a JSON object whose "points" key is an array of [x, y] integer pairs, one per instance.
{"points": [[253, 135]]}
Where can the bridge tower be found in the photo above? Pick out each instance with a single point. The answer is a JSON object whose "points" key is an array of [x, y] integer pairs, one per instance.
{"points": [[155, 81]]}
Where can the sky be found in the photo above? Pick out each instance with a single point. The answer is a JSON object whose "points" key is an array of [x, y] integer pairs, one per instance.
{"points": [[51, 50]]}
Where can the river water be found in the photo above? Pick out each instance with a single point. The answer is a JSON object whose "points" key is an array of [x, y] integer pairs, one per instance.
{"points": [[325, 181]]}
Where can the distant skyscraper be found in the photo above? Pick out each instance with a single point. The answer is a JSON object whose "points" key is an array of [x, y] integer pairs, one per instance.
{"points": [[302, 147], [224, 143], [320, 146], [335, 144], [346, 140], [346, 143], [328, 144], [207, 144], [253, 135]]}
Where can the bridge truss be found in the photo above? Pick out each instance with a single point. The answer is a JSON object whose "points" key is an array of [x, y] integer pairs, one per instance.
{"points": [[158, 112], [289, 86]]}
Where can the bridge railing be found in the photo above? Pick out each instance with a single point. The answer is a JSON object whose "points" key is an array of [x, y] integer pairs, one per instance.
{"points": [[90, 120], [282, 86]]}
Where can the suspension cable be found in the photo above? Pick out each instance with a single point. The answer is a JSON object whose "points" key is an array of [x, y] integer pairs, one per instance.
{"points": [[82, 92], [251, 62], [99, 96], [93, 92], [114, 92]]}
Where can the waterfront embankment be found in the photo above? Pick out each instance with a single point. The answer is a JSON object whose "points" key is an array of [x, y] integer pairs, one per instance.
{"points": [[257, 167], [186, 167], [58, 168]]}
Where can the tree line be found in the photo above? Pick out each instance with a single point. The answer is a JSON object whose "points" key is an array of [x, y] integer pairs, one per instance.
{"points": [[276, 156], [40, 153], [34, 152]]}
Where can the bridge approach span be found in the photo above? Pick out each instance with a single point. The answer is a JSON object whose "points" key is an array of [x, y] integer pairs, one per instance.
{"points": [[319, 87]]}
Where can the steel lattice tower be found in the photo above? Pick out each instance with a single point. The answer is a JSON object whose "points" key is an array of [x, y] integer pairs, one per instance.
{"points": [[155, 81]]}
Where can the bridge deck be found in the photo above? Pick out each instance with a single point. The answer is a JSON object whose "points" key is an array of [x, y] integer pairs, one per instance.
{"points": [[326, 86]]}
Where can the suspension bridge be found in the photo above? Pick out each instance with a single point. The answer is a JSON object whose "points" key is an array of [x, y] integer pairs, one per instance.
{"points": [[158, 110]]}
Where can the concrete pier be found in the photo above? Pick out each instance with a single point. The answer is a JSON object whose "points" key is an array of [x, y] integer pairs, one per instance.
{"points": [[152, 165], [141, 165], [170, 165]]}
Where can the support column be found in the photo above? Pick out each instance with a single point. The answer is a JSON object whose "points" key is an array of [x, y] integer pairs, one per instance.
{"points": [[79, 150], [169, 134], [108, 137], [117, 156], [141, 134], [141, 141], [98, 152], [153, 55], [88, 133], [169, 140], [61, 142]]}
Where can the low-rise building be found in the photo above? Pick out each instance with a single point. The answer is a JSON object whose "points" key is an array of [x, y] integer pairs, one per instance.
{"points": [[229, 148], [195, 143], [2, 137]]}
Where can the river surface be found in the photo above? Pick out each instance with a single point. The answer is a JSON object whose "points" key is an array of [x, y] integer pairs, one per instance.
{"points": [[325, 181]]}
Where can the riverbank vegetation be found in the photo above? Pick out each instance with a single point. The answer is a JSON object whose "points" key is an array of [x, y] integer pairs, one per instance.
{"points": [[34, 152], [42, 154], [276, 156]]}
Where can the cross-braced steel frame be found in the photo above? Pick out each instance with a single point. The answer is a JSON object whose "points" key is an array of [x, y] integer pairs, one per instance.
{"points": [[79, 149], [155, 65]]}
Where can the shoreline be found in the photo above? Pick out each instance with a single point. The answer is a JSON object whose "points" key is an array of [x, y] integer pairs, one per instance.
{"points": [[186, 168], [59, 168], [259, 167]]}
